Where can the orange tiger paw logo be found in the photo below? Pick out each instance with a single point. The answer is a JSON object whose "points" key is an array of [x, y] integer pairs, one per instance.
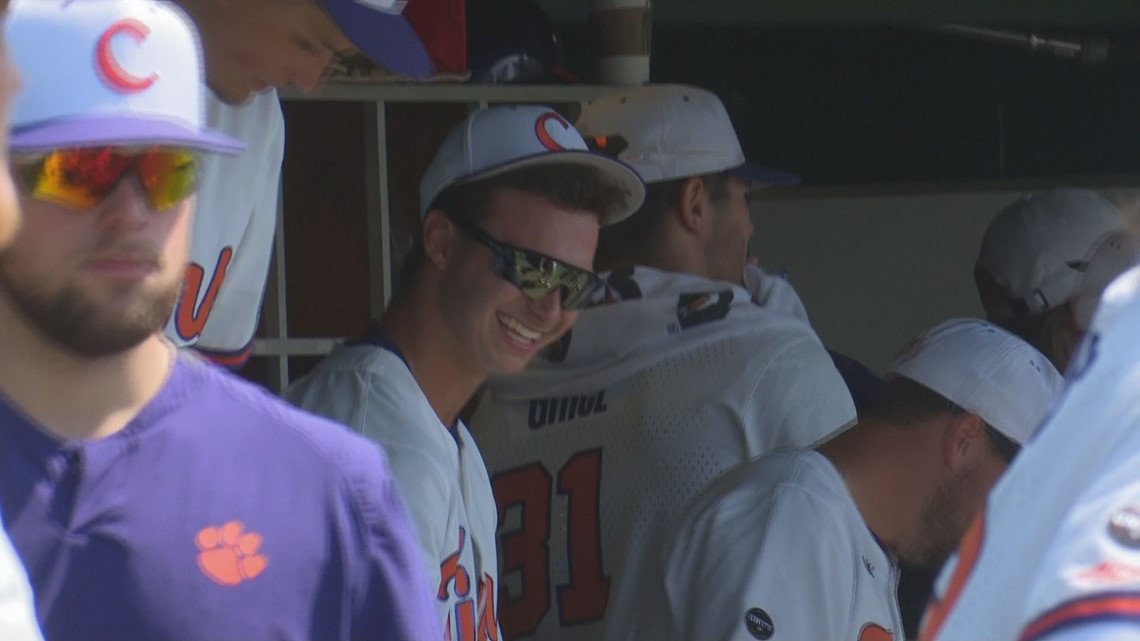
{"points": [[228, 555]]}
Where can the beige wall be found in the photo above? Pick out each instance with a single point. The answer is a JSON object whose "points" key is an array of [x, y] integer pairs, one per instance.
{"points": [[875, 270]]}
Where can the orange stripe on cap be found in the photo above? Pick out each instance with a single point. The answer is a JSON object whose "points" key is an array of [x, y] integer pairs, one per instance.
{"points": [[1111, 606]]}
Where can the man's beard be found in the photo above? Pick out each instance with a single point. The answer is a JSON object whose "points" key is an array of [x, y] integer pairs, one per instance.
{"points": [[72, 319], [942, 524]]}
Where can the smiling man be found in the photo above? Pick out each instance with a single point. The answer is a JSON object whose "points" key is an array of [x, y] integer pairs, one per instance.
{"points": [[675, 379], [253, 47], [511, 207]]}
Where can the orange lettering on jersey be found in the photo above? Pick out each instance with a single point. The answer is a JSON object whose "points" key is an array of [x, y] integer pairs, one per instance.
{"points": [[488, 626], [874, 632], [228, 555], [451, 570], [463, 616], [191, 316], [968, 552]]}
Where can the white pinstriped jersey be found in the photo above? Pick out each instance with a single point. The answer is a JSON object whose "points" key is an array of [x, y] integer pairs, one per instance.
{"points": [[439, 471], [595, 450], [232, 238], [775, 549], [1056, 553]]}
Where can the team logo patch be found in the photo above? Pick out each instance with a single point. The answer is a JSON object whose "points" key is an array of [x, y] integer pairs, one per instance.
{"points": [[1124, 526], [759, 624], [229, 555], [112, 74], [703, 307], [551, 129]]}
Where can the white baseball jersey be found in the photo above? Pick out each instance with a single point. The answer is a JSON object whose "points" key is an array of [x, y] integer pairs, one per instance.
{"points": [[439, 470], [775, 549], [773, 292], [596, 448], [232, 237], [17, 614], [1056, 552]]}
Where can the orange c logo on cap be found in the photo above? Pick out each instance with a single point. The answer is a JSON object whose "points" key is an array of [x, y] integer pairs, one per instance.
{"points": [[109, 69], [544, 136]]}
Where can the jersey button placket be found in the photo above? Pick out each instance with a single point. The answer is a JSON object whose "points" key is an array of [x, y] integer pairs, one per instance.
{"points": [[64, 474]]}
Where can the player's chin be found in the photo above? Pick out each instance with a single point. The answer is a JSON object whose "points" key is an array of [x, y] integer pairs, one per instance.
{"points": [[511, 358]]}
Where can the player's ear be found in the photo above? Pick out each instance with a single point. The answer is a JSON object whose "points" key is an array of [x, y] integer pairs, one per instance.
{"points": [[438, 235], [693, 205], [963, 440]]}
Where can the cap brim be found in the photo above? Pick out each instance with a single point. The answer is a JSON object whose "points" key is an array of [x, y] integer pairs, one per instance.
{"points": [[118, 130], [764, 177], [387, 39], [621, 173]]}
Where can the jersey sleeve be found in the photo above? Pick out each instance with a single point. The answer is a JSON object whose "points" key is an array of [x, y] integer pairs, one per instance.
{"points": [[799, 399], [392, 599], [237, 213], [17, 617], [1091, 573], [356, 398], [778, 568]]}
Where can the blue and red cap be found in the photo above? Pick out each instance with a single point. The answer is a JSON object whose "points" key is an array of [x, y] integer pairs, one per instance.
{"points": [[380, 31]]}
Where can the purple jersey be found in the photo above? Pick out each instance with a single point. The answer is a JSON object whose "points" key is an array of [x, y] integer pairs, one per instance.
{"points": [[218, 513]]}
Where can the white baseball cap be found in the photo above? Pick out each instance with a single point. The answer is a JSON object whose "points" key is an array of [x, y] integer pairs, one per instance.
{"points": [[500, 139], [985, 370], [1110, 257], [107, 72], [381, 31], [674, 131], [1035, 247]]}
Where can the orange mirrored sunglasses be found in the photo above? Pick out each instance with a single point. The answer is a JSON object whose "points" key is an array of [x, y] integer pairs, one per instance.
{"points": [[82, 178]]}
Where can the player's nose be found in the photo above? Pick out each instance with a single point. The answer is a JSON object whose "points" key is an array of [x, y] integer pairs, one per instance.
{"points": [[548, 309], [125, 207]]}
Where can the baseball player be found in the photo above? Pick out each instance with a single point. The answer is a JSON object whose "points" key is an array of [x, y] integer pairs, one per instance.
{"points": [[17, 619], [511, 206], [679, 377], [1032, 260], [804, 544], [1056, 553], [152, 495], [252, 47]]}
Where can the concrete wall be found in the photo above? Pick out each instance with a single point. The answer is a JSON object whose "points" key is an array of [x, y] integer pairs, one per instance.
{"points": [[873, 270]]}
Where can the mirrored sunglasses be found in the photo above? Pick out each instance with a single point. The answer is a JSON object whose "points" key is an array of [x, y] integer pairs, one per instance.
{"points": [[536, 275], [82, 178]]}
